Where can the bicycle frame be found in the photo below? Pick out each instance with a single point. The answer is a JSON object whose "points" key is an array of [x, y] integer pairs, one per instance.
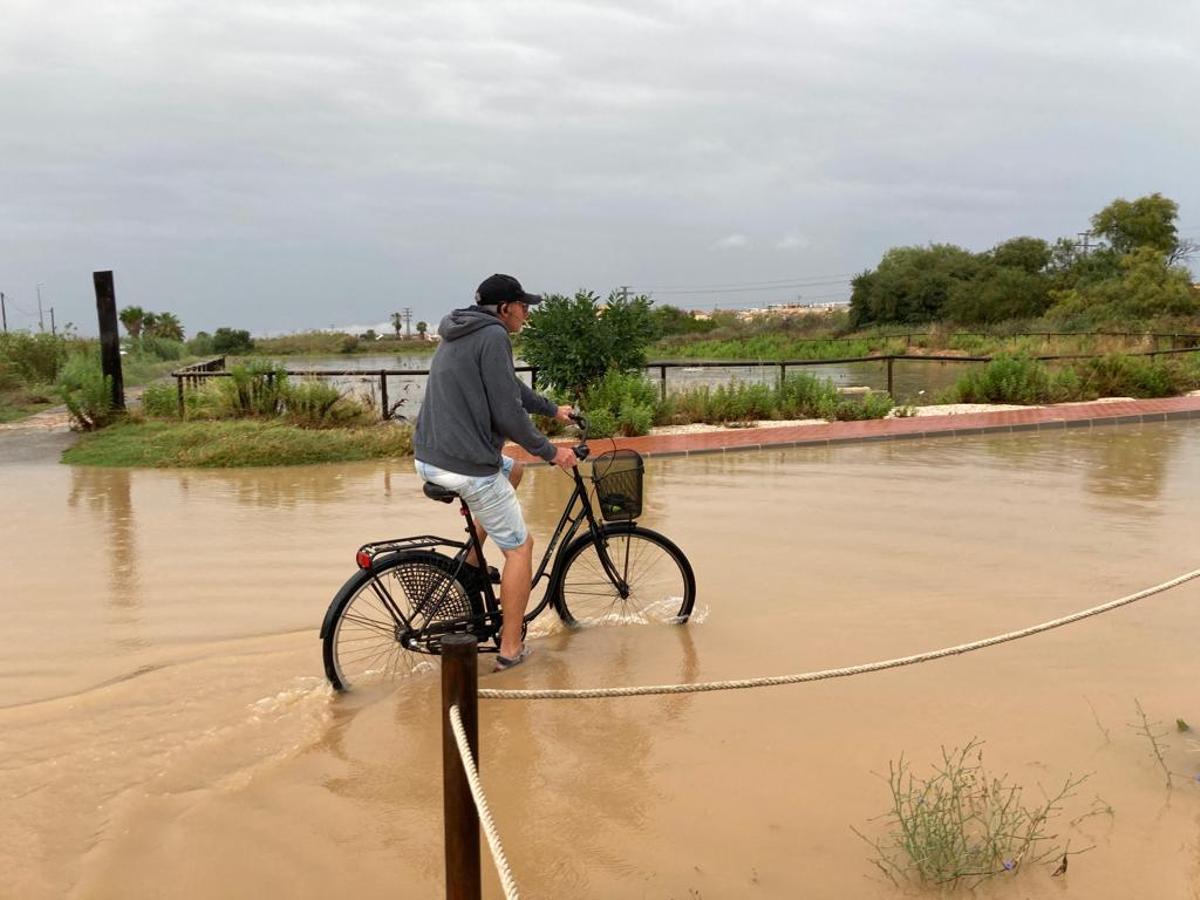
{"points": [[570, 521]]}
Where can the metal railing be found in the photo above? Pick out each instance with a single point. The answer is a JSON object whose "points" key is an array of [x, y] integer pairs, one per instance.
{"points": [[194, 376]]}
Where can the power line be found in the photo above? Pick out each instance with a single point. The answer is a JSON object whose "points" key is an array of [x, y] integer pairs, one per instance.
{"points": [[747, 290], [782, 282]]}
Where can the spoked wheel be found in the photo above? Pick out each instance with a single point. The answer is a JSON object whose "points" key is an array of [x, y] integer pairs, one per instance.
{"points": [[659, 584], [375, 626]]}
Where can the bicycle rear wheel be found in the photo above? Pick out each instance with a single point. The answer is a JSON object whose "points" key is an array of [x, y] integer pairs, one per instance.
{"points": [[384, 626], [661, 587]]}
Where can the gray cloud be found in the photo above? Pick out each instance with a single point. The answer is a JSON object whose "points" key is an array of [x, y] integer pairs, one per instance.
{"points": [[287, 164]]}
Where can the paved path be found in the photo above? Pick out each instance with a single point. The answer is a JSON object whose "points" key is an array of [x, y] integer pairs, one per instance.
{"points": [[1042, 418]]}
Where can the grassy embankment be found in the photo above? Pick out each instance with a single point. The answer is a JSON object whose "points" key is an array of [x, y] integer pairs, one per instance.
{"points": [[767, 342], [256, 417], [234, 443]]}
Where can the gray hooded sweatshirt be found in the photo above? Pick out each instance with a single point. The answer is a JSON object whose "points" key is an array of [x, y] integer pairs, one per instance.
{"points": [[474, 400]]}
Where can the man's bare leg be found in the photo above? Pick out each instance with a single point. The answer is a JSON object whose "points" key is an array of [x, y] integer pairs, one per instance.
{"points": [[514, 596], [514, 478]]}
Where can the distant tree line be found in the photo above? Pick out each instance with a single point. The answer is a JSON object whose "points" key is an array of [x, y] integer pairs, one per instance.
{"points": [[1135, 272]]}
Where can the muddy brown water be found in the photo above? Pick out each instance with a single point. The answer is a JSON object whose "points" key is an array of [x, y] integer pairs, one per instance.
{"points": [[165, 730]]}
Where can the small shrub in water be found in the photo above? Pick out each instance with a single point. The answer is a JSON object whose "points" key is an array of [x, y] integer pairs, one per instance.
{"points": [[960, 825]]}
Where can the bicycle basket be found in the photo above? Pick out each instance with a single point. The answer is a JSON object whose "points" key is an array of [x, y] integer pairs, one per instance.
{"points": [[618, 477]]}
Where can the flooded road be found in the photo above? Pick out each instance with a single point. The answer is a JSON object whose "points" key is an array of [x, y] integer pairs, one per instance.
{"points": [[165, 730]]}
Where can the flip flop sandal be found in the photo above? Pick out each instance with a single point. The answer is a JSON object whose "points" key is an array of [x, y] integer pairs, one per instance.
{"points": [[504, 662]]}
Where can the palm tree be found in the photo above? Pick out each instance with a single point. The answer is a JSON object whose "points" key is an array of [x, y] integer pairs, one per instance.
{"points": [[166, 325], [133, 318], [422, 327], [397, 321]]}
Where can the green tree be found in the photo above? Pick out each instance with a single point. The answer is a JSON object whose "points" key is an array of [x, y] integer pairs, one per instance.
{"points": [[911, 284], [574, 342], [229, 341], [397, 321], [1146, 287], [422, 327], [673, 320], [133, 318], [1145, 222], [1029, 254]]}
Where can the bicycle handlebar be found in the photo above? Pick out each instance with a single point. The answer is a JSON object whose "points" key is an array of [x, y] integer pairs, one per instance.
{"points": [[581, 449]]}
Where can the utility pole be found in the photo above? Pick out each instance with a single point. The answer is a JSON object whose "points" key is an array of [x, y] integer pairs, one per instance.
{"points": [[52, 329], [1086, 235], [3, 312], [407, 314], [41, 321], [624, 292]]}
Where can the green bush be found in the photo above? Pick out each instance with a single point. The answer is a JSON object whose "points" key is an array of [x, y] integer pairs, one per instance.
{"points": [[158, 347], [1006, 379], [628, 398], [875, 405], [201, 345], [87, 392], [316, 404], [231, 341], [805, 396], [574, 342], [36, 358], [1131, 376], [161, 401], [255, 389], [602, 423]]}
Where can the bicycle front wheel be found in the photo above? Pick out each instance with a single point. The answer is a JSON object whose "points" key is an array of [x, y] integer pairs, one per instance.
{"points": [[659, 585], [380, 623]]}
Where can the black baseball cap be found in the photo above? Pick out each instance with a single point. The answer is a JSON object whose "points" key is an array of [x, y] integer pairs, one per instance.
{"points": [[498, 289]]}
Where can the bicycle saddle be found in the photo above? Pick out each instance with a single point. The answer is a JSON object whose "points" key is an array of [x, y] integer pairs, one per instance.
{"points": [[439, 493]]}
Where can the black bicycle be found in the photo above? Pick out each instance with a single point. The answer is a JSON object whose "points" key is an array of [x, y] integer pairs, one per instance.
{"points": [[409, 593]]}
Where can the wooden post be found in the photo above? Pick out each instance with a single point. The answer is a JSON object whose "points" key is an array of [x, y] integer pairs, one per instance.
{"points": [[179, 394], [460, 684], [533, 378], [782, 374], [662, 374], [890, 361], [110, 338], [383, 397]]}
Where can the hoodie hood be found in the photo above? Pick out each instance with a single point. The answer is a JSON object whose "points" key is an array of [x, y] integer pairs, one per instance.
{"points": [[462, 322]]}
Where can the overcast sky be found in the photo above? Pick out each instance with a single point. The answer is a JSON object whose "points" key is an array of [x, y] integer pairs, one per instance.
{"points": [[286, 165]]}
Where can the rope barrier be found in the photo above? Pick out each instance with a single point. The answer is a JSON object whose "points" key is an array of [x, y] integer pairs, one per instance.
{"points": [[773, 680], [485, 814]]}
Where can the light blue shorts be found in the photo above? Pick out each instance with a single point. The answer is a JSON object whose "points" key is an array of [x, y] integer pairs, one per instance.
{"points": [[491, 499]]}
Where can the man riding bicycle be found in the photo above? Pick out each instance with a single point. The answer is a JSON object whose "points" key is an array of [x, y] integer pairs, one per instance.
{"points": [[473, 403]]}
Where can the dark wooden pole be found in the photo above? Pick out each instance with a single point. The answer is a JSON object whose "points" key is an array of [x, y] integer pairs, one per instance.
{"points": [[460, 684], [383, 397], [110, 339], [179, 395], [662, 373], [890, 361]]}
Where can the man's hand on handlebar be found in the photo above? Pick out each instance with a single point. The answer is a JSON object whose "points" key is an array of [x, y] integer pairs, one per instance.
{"points": [[565, 458], [565, 413]]}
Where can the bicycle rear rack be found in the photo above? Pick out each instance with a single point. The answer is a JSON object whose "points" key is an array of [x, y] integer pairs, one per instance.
{"points": [[366, 554]]}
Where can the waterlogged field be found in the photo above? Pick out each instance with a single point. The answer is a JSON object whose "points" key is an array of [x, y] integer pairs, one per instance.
{"points": [[166, 731]]}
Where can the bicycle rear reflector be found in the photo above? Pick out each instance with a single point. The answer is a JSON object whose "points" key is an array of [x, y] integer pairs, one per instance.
{"points": [[618, 477], [363, 558]]}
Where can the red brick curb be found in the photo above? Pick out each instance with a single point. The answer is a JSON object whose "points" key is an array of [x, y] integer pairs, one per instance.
{"points": [[1066, 415]]}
